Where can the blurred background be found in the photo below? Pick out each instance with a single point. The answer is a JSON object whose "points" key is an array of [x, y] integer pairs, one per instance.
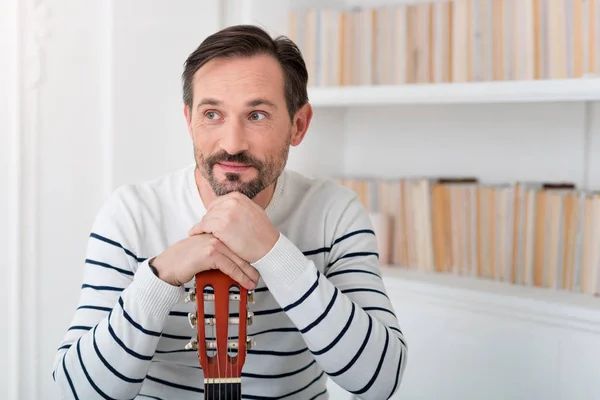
{"points": [[470, 129]]}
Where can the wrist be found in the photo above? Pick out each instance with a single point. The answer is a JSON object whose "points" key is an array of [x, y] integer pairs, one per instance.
{"points": [[282, 264], [151, 294], [158, 270], [270, 242]]}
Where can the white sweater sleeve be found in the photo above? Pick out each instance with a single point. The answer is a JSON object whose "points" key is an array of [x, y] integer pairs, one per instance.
{"points": [[345, 316], [122, 308]]}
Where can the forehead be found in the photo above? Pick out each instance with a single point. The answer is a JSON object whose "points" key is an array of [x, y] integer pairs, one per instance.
{"points": [[238, 79]]}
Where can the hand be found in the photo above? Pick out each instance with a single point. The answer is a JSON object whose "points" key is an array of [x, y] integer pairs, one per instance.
{"points": [[241, 224], [180, 262]]}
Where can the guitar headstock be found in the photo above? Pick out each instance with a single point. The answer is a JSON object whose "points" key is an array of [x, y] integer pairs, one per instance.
{"points": [[221, 347]]}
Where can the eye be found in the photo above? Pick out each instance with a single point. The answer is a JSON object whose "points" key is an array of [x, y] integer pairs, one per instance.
{"points": [[211, 115], [257, 116]]}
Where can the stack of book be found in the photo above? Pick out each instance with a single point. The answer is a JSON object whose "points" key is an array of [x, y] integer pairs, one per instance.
{"points": [[449, 41], [528, 233]]}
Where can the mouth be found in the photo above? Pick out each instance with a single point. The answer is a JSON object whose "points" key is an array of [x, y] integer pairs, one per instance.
{"points": [[233, 166]]}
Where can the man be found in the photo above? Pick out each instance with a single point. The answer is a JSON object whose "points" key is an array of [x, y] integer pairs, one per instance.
{"points": [[306, 246]]}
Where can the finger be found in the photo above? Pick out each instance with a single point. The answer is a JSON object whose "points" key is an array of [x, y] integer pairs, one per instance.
{"points": [[228, 200], [229, 267], [208, 224], [242, 264]]}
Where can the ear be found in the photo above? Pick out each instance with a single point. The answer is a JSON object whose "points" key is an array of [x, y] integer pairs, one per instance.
{"points": [[188, 117], [301, 123]]}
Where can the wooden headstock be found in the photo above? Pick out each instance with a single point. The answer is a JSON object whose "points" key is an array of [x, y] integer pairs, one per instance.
{"points": [[221, 353]]}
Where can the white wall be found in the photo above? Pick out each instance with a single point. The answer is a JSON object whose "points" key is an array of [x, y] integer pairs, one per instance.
{"points": [[8, 70], [100, 106]]}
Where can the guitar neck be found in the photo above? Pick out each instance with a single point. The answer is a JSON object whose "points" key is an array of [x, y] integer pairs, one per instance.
{"points": [[223, 391]]}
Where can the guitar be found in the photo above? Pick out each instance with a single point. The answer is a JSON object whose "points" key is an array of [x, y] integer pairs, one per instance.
{"points": [[221, 355]]}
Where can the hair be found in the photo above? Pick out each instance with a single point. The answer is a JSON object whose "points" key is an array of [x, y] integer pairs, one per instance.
{"points": [[247, 41]]}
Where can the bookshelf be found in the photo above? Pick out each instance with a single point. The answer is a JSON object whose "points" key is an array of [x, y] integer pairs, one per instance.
{"points": [[585, 89], [503, 119]]}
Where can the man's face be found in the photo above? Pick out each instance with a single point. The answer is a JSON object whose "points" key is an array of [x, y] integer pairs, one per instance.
{"points": [[240, 124]]}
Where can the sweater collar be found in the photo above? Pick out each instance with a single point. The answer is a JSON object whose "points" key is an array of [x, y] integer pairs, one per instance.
{"points": [[198, 205]]}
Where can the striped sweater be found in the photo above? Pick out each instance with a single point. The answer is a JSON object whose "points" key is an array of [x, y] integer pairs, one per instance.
{"points": [[320, 312]]}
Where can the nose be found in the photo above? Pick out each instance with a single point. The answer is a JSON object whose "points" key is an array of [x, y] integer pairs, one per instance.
{"points": [[233, 139]]}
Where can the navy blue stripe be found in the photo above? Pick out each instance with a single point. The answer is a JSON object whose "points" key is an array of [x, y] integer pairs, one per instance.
{"points": [[266, 312], [255, 397], [277, 376], [356, 290], [277, 353], [358, 353], [69, 379], [105, 265], [290, 329], [175, 385], [397, 373], [316, 251], [316, 396], [110, 367], [117, 244], [274, 330], [178, 337], [94, 308], [181, 350], [89, 378], [346, 236], [259, 312], [396, 329], [127, 349], [323, 314], [381, 359], [79, 328], [336, 241], [352, 255], [352, 271], [132, 322], [64, 346], [400, 338], [379, 309], [148, 396], [339, 336], [109, 288], [305, 295]]}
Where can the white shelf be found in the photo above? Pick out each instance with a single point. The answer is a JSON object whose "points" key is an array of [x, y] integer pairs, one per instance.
{"points": [[556, 307], [457, 93]]}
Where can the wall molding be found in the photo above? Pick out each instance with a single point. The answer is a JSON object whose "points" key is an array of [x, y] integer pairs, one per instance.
{"points": [[31, 31], [13, 222]]}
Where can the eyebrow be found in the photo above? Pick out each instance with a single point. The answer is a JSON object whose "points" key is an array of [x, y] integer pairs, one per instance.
{"points": [[251, 103]]}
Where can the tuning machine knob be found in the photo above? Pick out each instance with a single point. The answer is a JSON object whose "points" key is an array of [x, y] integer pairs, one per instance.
{"points": [[250, 318], [193, 319], [251, 296], [192, 345], [250, 343], [191, 295]]}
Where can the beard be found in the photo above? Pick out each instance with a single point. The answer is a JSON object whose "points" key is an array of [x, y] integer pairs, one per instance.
{"points": [[267, 171]]}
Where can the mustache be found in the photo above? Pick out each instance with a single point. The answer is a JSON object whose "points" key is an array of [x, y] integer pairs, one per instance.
{"points": [[242, 158]]}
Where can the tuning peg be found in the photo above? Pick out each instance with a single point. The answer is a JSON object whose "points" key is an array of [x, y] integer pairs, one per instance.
{"points": [[250, 318], [250, 343], [251, 296], [192, 345], [191, 295], [192, 319]]}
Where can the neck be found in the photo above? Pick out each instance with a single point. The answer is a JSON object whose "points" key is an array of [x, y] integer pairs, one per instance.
{"points": [[208, 195], [228, 389]]}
